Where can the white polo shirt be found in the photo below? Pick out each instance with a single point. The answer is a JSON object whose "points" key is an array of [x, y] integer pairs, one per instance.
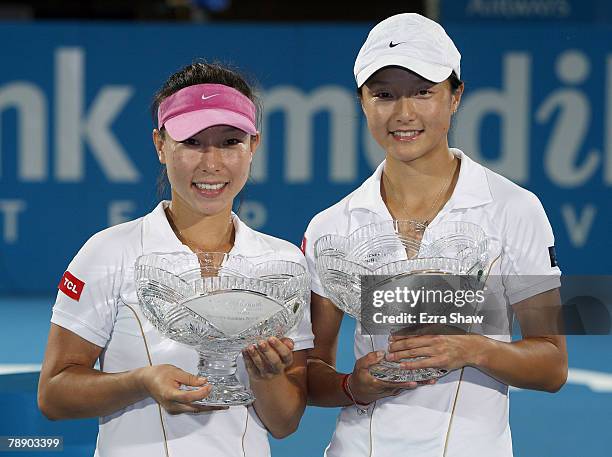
{"points": [[418, 422], [108, 315]]}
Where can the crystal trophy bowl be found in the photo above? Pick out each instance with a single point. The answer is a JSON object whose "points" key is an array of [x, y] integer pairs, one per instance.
{"points": [[219, 304], [395, 250]]}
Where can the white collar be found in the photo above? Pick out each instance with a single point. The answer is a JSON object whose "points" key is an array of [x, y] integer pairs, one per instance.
{"points": [[472, 188], [158, 236]]}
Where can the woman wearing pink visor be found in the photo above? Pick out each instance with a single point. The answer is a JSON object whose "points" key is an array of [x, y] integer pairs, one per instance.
{"points": [[206, 136]]}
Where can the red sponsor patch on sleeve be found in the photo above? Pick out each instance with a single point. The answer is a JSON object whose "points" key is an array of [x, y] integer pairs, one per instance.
{"points": [[71, 286], [303, 246]]}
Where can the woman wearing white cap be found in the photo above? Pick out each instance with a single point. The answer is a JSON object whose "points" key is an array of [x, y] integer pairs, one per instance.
{"points": [[407, 74], [206, 136]]}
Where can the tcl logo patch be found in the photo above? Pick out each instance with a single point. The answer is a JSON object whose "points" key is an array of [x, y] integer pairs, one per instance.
{"points": [[303, 246], [71, 286]]}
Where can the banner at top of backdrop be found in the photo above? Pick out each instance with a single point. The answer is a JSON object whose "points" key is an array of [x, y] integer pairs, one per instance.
{"points": [[526, 10]]}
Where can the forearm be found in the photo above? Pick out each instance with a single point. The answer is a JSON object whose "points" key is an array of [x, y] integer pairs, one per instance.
{"points": [[325, 386], [531, 363], [79, 392], [324, 382], [279, 403]]}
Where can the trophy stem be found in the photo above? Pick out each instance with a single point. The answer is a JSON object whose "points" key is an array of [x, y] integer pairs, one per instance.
{"points": [[392, 371], [220, 371]]}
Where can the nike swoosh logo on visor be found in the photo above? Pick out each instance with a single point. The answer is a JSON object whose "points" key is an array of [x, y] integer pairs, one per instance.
{"points": [[210, 96]]}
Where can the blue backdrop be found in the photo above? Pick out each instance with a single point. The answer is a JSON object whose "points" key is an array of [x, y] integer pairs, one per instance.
{"points": [[75, 130]]}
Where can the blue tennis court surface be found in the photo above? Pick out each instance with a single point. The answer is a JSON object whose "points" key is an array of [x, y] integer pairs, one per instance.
{"points": [[576, 422]]}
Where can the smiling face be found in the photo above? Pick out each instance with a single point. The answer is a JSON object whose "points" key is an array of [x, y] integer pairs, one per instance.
{"points": [[408, 116], [208, 170]]}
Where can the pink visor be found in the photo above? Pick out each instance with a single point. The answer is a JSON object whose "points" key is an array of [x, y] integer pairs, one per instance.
{"points": [[195, 108]]}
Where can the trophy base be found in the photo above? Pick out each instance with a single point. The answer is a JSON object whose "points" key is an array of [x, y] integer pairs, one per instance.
{"points": [[226, 391], [391, 372]]}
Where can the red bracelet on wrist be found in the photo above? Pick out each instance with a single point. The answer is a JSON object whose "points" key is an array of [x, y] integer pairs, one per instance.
{"points": [[347, 390], [344, 387]]}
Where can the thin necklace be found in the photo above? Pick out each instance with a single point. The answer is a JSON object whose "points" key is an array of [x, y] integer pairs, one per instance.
{"points": [[189, 243], [422, 225]]}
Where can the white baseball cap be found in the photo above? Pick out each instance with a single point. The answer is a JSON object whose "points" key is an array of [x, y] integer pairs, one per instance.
{"points": [[411, 41]]}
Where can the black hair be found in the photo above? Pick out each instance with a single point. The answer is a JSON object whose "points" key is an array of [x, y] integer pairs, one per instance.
{"points": [[453, 79], [201, 72], [455, 82]]}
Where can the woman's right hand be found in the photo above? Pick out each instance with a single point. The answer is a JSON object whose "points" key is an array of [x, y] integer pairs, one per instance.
{"points": [[367, 389], [163, 383]]}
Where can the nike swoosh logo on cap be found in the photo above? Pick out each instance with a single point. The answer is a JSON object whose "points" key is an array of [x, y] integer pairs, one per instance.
{"points": [[210, 96], [392, 44]]}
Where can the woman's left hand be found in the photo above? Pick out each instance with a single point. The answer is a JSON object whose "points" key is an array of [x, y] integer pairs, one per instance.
{"points": [[447, 352], [268, 358]]}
